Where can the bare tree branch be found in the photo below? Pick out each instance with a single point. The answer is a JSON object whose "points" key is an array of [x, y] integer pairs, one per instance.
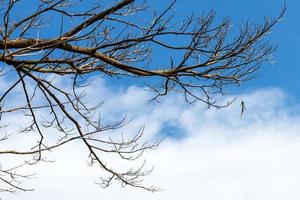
{"points": [[206, 57]]}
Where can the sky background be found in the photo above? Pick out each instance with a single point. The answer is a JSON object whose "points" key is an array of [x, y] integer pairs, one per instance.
{"points": [[204, 154], [284, 71]]}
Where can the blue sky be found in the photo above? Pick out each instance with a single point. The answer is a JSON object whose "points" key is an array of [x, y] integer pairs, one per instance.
{"points": [[214, 154], [285, 70]]}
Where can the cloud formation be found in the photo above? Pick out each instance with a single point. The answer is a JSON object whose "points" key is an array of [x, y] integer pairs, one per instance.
{"points": [[205, 153]]}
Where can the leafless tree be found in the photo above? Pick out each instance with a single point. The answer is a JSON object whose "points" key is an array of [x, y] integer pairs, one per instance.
{"points": [[75, 39]]}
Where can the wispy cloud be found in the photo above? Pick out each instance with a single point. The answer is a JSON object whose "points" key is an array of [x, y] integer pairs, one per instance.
{"points": [[220, 155]]}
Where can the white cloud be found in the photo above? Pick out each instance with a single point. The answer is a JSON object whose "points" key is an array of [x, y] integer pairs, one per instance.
{"points": [[221, 156]]}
